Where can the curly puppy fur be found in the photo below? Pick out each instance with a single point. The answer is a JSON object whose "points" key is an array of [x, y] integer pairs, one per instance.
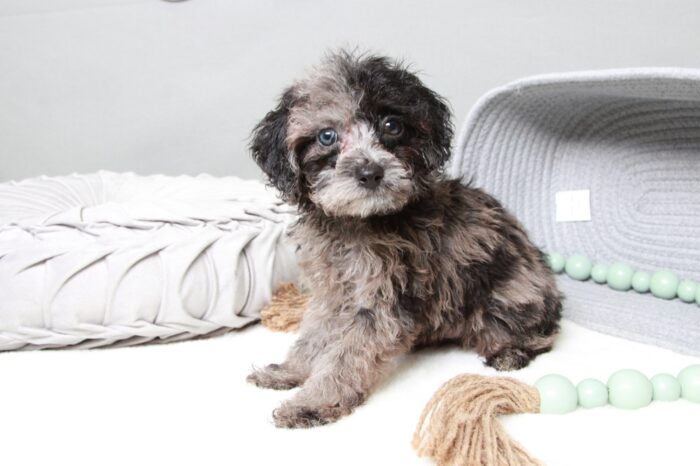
{"points": [[397, 256]]}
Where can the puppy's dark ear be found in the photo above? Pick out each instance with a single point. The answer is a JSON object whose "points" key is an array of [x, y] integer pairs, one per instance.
{"points": [[269, 149], [437, 121], [429, 113]]}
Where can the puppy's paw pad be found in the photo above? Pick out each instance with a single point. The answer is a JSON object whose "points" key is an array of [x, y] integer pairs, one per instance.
{"points": [[509, 359]]}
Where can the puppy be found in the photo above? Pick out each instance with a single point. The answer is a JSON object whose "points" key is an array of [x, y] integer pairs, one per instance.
{"points": [[396, 255]]}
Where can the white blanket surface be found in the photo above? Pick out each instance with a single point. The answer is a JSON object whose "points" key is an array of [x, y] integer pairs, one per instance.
{"points": [[188, 403]]}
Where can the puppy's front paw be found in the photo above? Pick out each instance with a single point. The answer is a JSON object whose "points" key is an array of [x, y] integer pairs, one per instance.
{"points": [[275, 377], [508, 359], [294, 416]]}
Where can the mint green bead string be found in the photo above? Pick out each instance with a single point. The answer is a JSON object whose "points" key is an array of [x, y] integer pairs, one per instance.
{"points": [[578, 267], [689, 379], [664, 284], [629, 389], [666, 387], [599, 273], [619, 276], [625, 389], [686, 290], [592, 393], [641, 281], [556, 262], [557, 394]]}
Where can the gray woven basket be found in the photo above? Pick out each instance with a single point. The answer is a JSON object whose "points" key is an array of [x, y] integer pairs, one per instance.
{"points": [[631, 137]]}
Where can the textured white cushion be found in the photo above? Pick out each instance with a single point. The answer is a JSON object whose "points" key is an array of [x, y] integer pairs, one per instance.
{"points": [[93, 260]]}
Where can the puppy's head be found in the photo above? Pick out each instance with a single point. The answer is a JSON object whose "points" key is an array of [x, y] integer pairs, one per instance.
{"points": [[360, 136]]}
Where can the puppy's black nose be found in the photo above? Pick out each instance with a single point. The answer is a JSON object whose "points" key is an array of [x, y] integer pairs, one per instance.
{"points": [[369, 175]]}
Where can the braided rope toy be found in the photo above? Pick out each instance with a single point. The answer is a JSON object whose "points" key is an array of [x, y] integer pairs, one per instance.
{"points": [[459, 425]]}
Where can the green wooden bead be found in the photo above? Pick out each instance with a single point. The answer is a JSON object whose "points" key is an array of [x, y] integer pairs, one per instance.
{"points": [[599, 273], [620, 276], [689, 379], [687, 290], [641, 281], [664, 284], [629, 389], [666, 387], [556, 262], [578, 267], [592, 393], [557, 394]]}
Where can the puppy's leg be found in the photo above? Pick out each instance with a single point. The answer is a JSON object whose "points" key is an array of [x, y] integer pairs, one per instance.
{"points": [[512, 335], [277, 376], [296, 368], [358, 352], [504, 348]]}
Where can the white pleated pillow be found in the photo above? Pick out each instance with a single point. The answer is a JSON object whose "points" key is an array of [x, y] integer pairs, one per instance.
{"points": [[107, 258]]}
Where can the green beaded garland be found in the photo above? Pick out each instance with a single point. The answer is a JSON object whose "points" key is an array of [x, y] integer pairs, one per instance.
{"points": [[689, 379], [599, 273], [664, 284], [556, 262], [557, 394], [629, 389], [666, 387], [620, 276], [578, 267], [687, 290], [592, 393], [626, 389], [641, 281]]}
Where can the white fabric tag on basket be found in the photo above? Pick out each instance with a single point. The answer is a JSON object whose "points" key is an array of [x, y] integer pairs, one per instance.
{"points": [[573, 206]]}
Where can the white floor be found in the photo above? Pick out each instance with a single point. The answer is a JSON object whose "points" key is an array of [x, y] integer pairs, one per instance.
{"points": [[188, 403]]}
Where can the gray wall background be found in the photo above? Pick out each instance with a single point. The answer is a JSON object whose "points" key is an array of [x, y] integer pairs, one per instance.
{"points": [[158, 87]]}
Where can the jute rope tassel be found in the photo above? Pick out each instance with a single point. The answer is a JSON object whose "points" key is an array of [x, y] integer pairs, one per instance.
{"points": [[286, 309], [459, 425]]}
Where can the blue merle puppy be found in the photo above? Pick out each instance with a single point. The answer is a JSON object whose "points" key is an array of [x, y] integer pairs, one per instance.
{"points": [[396, 255]]}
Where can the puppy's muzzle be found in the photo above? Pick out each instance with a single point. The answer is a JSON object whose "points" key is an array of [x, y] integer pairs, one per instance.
{"points": [[369, 174]]}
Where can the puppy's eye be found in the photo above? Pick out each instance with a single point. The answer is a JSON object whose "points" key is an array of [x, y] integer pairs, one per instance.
{"points": [[327, 137], [392, 126]]}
